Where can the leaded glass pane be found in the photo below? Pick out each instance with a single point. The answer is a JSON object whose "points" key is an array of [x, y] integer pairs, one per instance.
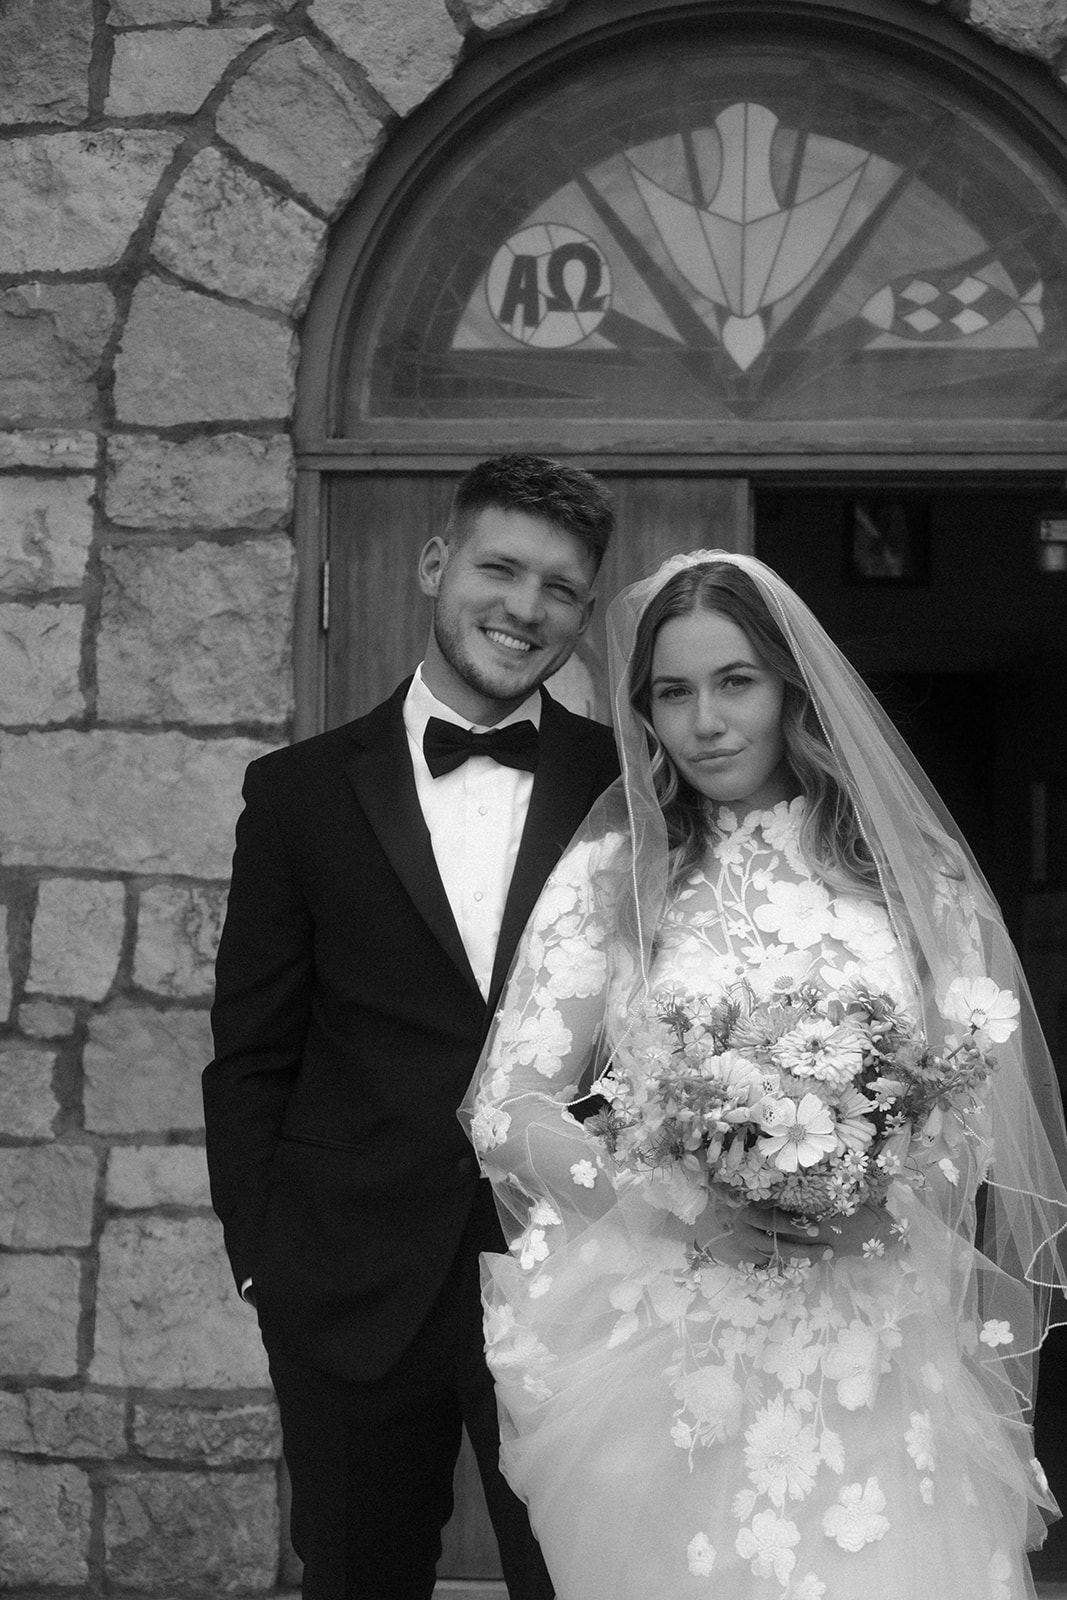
{"points": [[749, 235]]}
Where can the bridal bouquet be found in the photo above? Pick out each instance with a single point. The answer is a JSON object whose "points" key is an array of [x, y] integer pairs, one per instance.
{"points": [[810, 1101]]}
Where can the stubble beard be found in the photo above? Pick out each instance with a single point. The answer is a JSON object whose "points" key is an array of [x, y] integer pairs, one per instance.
{"points": [[502, 686]]}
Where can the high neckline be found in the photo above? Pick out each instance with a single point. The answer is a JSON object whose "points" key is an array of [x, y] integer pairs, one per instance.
{"points": [[787, 814]]}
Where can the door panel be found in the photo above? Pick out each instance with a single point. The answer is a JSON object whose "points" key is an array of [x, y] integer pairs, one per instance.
{"points": [[378, 617], [377, 635], [379, 620]]}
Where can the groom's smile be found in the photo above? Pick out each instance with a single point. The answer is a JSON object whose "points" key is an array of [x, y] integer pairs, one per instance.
{"points": [[511, 600]]}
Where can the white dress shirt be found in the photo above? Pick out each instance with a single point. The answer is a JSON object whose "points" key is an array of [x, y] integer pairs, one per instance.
{"points": [[475, 815]]}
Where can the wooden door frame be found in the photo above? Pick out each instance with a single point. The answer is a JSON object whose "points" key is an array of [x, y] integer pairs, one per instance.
{"points": [[1019, 91], [312, 532]]}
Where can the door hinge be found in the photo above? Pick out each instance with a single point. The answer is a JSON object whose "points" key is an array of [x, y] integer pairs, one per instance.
{"points": [[324, 597]]}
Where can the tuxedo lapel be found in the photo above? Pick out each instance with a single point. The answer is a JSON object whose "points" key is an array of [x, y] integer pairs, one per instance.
{"points": [[562, 794], [380, 773]]}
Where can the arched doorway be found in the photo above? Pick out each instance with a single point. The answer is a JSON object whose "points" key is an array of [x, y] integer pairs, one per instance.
{"points": [[792, 275]]}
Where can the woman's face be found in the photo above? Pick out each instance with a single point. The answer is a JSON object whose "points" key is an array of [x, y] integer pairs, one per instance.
{"points": [[717, 708]]}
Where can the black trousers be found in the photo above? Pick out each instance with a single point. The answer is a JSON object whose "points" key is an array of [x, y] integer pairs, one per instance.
{"points": [[372, 1463]]}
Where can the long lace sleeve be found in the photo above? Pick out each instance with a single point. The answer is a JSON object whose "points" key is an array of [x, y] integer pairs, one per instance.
{"points": [[542, 1045]]}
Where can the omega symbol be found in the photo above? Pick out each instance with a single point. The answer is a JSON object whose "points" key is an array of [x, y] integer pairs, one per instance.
{"points": [[549, 286]]}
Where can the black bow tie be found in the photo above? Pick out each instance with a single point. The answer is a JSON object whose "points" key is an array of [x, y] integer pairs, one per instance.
{"points": [[446, 745]]}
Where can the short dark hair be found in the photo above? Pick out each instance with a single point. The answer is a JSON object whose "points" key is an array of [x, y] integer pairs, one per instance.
{"points": [[568, 497]]}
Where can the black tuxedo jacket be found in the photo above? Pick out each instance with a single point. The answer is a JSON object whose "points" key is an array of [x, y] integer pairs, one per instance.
{"points": [[347, 1025]]}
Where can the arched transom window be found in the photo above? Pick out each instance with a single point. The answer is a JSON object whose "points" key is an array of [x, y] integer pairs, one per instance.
{"points": [[741, 240]]}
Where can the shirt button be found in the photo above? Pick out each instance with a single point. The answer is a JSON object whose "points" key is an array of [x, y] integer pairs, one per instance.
{"points": [[478, 895], [483, 811]]}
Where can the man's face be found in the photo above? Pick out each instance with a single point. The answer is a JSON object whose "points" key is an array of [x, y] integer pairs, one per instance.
{"points": [[511, 601]]}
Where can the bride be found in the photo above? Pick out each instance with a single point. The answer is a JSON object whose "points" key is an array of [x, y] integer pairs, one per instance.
{"points": [[716, 1391]]}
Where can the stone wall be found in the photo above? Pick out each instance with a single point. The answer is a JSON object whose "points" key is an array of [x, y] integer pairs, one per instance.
{"points": [[169, 170]]}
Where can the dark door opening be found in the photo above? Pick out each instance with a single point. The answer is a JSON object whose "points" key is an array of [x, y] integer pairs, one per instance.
{"points": [[938, 598]]}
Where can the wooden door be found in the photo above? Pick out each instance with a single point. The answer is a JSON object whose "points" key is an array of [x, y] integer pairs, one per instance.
{"points": [[377, 634], [379, 523]]}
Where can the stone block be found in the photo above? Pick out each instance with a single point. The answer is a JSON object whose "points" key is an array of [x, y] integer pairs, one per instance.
{"points": [[14, 1424], [205, 1533], [5, 969], [178, 930], [47, 447], [144, 13], [46, 1019], [70, 201], [230, 480], [28, 1103], [57, 1422], [218, 1436], [44, 1524], [40, 1305], [200, 634], [77, 936], [48, 1196], [40, 662], [167, 1313], [155, 73], [46, 528], [294, 115], [45, 46], [142, 1070], [122, 802], [52, 338], [501, 16], [407, 48], [188, 358], [142, 1177], [224, 229], [1036, 27]]}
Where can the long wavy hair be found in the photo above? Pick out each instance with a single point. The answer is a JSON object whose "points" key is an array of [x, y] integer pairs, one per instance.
{"points": [[831, 839]]}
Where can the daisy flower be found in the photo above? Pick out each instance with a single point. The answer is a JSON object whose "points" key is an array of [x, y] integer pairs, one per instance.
{"points": [[919, 1439], [797, 1135], [700, 1554], [797, 913], [857, 1518], [489, 1127], [768, 1544], [540, 1041], [781, 1453], [575, 970], [714, 1398], [853, 1128], [994, 1333], [980, 1005], [791, 1353]]}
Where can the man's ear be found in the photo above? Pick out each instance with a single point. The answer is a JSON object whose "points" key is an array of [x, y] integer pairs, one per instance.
{"points": [[587, 617], [432, 564]]}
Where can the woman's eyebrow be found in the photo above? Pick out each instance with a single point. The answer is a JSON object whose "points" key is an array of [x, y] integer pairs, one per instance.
{"points": [[716, 672], [732, 666]]}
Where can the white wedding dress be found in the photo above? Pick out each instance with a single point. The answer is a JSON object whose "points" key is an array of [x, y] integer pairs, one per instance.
{"points": [[682, 1429]]}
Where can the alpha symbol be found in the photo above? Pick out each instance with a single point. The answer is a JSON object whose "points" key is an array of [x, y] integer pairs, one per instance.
{"points": [[549, 286]]}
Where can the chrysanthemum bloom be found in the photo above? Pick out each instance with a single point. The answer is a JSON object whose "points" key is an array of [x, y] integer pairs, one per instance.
{"points": [[818, 1049]]}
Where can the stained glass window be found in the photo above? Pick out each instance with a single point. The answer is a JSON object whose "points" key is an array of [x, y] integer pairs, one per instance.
{"points": [[766, 238]]}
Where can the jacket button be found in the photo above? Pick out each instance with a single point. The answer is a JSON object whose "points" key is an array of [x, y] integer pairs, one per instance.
{"points": [[466, 1165]]}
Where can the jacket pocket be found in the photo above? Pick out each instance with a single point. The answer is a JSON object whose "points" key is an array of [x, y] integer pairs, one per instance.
{"points": [[320, 1142]]}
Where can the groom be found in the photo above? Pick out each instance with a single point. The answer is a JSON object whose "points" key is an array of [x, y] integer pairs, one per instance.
{"points": [[382, 876]]}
